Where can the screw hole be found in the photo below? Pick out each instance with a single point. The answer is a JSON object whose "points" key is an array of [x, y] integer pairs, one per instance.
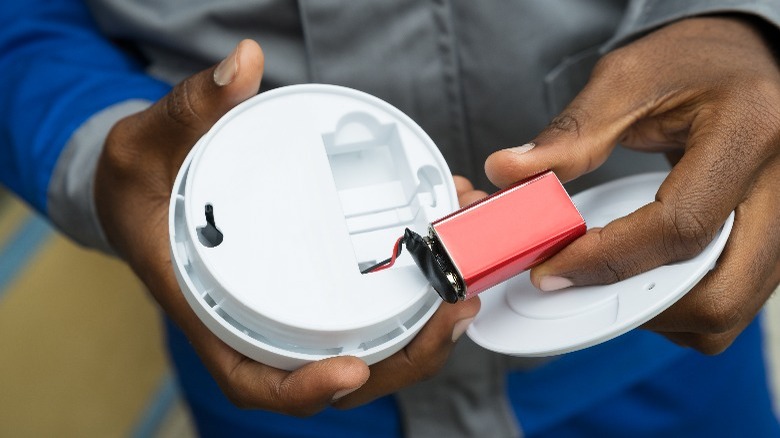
{"points": [[650, 286], [209, 235]]}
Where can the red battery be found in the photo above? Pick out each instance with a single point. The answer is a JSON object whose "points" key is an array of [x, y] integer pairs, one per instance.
{"points": [[506, 233], [493, 239]]}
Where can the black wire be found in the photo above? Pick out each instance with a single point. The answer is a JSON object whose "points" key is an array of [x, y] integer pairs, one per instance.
{"points": [[385, 261], [378, 265]]}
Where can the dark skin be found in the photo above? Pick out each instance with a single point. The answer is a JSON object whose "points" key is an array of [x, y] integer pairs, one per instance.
{"points": [[697, 102], [142, 155], [706, 91]]}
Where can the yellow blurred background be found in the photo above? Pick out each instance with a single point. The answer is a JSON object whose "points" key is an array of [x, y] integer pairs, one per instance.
{"points": [[81, 348]]}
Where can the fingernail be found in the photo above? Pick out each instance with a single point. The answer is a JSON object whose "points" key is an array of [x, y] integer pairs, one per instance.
{"points": [[227, 69], [551, 283], [460, 328], [343, 393], [524, 148]]}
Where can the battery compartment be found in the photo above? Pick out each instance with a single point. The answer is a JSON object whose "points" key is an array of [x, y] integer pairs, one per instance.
{"points": [[381, 191]]}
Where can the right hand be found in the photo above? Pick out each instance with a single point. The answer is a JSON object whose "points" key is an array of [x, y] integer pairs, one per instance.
{"points": [[133, 182]]}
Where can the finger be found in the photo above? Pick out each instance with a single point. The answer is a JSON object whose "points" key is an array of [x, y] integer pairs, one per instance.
{"points": [[576, 141], [674, 157], [471, 197], [250, 384], [302, 392], [690, 206], [419, 360], [195, 104], [712, 340], [466, 192], [710, 344], [163, 134], [729, 296], [462, 184]]}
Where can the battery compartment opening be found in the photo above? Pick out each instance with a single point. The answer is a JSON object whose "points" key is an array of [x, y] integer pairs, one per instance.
{"points": [[381, 192]]}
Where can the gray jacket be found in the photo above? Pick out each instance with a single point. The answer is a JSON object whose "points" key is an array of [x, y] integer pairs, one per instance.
{"points": [[477, 76]]}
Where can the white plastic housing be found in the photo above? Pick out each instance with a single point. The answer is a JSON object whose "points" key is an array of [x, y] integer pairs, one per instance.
{"points": [[518, 319], [308, 184]]}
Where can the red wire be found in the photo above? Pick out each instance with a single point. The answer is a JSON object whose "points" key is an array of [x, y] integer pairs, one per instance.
{"points": [[396, 252]]}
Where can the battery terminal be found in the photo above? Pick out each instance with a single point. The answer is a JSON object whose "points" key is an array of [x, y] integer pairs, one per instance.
{"points": [[435, 266]]}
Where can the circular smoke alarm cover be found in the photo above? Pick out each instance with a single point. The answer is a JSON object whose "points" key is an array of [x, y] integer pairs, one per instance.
{"points": [[280, 205], [518, 319]]}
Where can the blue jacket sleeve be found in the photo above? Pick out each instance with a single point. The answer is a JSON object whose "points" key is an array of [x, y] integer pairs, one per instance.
{"points": [[56, 70]]}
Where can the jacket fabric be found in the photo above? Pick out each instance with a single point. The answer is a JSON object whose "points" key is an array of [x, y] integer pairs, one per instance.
{"points": [[477, 76]]}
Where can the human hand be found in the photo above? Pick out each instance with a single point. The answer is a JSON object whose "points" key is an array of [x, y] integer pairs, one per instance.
{"points": [[706, 91], [133, 182], [428, 351]]}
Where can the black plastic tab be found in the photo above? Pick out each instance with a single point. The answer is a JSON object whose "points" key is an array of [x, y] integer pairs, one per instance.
{"points": [[434, 266]]}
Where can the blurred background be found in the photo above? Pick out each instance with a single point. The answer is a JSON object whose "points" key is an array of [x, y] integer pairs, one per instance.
{"points": [[81, 348]]}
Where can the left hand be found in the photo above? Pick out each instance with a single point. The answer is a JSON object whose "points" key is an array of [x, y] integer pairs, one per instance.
{"points": [[707, 92]]}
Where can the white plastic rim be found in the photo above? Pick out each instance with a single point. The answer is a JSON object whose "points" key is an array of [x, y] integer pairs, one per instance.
{"points": [[307, 184], [518, 319]]}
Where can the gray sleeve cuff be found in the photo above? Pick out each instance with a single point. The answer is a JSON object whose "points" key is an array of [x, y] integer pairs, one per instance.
{"points": [[70, 203], [643, 16]]}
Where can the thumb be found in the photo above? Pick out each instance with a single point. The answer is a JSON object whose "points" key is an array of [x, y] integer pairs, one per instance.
{"points": [[195, 104], [143, 152], [575, 142]]}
